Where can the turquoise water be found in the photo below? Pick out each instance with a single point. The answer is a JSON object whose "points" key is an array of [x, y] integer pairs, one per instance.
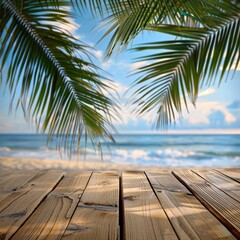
{"points": [[143, 149]]}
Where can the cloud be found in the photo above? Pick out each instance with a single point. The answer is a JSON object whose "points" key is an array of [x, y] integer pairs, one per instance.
{"points": [[207, 114], [235, 105], [116, 87], [70, 26], [128, 120], [205, 110], [126, 115], [234, 108], [137, 65], [216, 118], [98, 53], [107, 64], [118, 65], [206, 92]]}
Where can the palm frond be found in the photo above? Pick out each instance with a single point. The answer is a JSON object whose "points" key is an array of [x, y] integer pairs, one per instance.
{"points": [[178, 68], [59, 85], [125, 19]]}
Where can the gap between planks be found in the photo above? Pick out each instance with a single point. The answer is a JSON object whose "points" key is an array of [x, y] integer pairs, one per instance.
{"points": [[224, 207], [97, 215], [51, 218], [168, 194], [188, 217], [144, 217], [21, 202]]}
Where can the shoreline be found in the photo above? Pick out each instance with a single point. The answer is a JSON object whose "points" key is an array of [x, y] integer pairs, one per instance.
{"points": [[19, 163]]}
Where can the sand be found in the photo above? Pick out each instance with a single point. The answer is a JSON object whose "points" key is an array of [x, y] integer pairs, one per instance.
{"points": [[16, 163], [11, 163]]}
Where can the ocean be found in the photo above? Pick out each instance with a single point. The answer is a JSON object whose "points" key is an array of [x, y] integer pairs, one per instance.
{"points": [[142, 149]]}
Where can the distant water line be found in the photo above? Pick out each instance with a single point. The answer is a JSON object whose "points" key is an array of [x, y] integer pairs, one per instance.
{"points": [[142, 149]]}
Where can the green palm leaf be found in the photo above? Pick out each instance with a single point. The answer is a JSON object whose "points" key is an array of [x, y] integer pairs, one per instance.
{"points": [[58, 84], [179, 67], [126, 19], [208, 32]]}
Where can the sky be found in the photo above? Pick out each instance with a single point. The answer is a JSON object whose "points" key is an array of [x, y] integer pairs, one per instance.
{"points": [[217, 109]]}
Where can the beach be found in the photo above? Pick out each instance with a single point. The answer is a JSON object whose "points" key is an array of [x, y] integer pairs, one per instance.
{"points": [[14, 163], [30, 151]]}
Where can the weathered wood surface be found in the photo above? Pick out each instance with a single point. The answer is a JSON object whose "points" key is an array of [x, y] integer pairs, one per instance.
{"points": [[233, 173], [226, 184], [183, 204], [51, 218], [20, 204], [96, 216], [219, 203], [187, 215], [11, 183], [144, 217]]}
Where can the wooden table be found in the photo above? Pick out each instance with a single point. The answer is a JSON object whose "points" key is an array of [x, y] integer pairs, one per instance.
{"points": [[166, 204]]}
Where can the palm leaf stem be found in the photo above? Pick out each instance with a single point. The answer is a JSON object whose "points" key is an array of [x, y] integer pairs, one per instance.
{"points": [[184, 65]]}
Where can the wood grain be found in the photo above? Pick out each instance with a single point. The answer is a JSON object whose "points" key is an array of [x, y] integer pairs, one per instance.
{"points": [[154, 205], [233, 173], [28, 198], [226, 184], [51, 218], [144, 217], [6, 174], [224, 207], [187, 215], [11, 185], [96, 216]]}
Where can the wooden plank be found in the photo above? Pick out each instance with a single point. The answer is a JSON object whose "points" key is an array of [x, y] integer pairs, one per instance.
{"points": [[6, 173], [233, 173], [9, 179], [225, 208], [226, 184], [96, 216], [28, 198], [51, 218], [10, 184], [144, 217], [186, 214]]}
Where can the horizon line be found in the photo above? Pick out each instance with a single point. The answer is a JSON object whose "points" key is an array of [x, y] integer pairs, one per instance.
{"points": [[163, 132]]}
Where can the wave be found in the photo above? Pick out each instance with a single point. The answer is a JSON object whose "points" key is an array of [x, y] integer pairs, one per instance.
{"points": [[135, 153], [221, 154], [5, 149], [171, 157], [140, 149], [166, 144]]}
